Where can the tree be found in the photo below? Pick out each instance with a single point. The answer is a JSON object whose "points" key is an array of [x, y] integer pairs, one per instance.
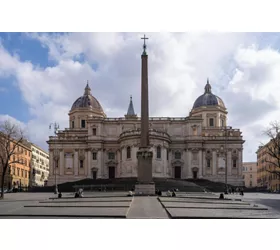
{"points": [[11, 136], [272, 148]]}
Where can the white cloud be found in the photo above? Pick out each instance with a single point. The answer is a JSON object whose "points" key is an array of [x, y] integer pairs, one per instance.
{"points": [[242, 74]]}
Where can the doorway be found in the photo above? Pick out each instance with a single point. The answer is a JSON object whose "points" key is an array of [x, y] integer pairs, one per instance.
{"points": [[177, 172], [94, 174], [194, 174], [111, 172]]}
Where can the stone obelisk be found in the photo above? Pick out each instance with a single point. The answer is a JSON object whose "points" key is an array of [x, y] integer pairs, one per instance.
{"points": [[145, 185]]}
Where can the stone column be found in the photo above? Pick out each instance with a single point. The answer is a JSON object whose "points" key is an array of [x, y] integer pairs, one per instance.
{"points": [[169, 167], [133, 160], [85, 162], [214, 163], [119, 169], [239, 162], [229, 162], [103, 153], [99, 164], [185, 166], [89, 163], [76, 163], [203, 163], [51, 163], [189, 155], [200, 162], [61, 160]]}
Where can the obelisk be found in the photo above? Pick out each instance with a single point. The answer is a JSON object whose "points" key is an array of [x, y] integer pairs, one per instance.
{"points": [[145, 185]]}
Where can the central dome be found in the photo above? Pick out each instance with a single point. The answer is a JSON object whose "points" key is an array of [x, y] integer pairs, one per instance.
{"points": [[87, 101], [208, 99]]}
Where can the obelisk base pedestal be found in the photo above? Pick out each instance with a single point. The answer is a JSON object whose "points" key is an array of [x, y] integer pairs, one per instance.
{"points": [[145, 189], [145, 185]]}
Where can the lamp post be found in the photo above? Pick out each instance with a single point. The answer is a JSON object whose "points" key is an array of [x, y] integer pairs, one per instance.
{"points": [[55, 127], [226, 154]]}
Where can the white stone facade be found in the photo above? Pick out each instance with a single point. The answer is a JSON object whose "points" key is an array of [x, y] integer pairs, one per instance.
{"points": [[39, 166], [189, 147]]}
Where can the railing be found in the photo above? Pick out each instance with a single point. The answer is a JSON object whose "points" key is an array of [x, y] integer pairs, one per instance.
{"points": [[137, 132], [220, 132]]}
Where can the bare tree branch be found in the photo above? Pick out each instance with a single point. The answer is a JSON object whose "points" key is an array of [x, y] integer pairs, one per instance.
{"points": [[272, 148], [11, 137]]}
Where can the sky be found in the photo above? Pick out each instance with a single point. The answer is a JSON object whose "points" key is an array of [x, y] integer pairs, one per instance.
{"points": [[42, 74]]}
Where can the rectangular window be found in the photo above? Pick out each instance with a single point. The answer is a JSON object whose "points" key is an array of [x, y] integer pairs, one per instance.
{"points": [[211, 122], [94, 131], [81, 163], [167, 155], [208, 163], [73, 124], [177, 155], [111, 156], [222, 123], [250, 176], [83, 123], [94, 156], [234, 164]]}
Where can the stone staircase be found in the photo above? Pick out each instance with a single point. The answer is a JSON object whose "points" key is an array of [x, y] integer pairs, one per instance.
{"points": [[120, 184]]}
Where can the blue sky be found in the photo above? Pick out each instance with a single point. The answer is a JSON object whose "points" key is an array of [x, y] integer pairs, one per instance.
{"points": [[42, 74]]}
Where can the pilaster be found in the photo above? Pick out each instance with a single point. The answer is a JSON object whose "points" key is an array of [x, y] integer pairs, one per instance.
{"points": [[61, 161], [76, 163], [214, 163]]}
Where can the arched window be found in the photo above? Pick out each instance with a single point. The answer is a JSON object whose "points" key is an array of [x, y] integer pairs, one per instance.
{"points": [[128, 152], [158, 152]]}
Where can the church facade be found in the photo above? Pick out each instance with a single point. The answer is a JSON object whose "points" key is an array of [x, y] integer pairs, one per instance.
{"points": [[200, 145]]}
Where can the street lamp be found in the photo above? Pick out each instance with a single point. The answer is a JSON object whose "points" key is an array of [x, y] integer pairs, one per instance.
{"points": [[55, 127], [226, 153]]}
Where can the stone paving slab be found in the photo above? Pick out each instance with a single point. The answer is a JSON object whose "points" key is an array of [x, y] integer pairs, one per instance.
{"points": [[90, 198], [200, 197], [69, 212], [195, 194], [183, 213], [195, 200], [82, 204], [81, 200], [211, 206], [146, 207]]}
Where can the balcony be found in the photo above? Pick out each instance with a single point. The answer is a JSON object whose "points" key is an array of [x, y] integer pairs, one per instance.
{"points": [[220, 134], [137, 132]]}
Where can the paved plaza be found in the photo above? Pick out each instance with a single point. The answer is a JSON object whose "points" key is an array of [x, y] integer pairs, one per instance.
{"points": [[119, 205]]}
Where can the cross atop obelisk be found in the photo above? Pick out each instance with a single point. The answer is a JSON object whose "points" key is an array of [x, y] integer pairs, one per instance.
{"points": [[144, 46]]}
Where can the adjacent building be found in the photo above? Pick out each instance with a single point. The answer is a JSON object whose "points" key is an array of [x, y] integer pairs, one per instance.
{"points": [[39, 166], [18, 174], [265, 179], [250, 174], [200, 145]]}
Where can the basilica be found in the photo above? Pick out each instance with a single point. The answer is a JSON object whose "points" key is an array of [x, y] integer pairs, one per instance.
{"points": [[200, 145]]}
